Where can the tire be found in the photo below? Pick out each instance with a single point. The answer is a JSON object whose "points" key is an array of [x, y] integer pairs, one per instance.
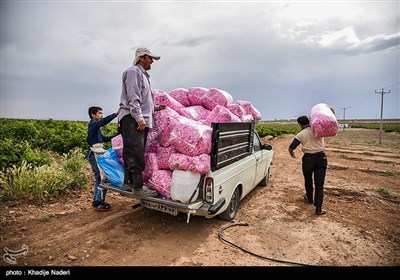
{"points": [[233, 207], [264, 181]]}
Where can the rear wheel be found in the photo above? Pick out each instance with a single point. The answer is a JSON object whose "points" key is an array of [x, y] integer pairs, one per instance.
{"points": [[233, 207], [265, 180]]}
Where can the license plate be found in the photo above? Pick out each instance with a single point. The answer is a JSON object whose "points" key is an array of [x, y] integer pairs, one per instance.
{"points": [[160, 207]]}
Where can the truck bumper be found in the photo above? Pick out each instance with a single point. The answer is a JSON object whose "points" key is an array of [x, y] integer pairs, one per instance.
{"points": [[216, 207]]}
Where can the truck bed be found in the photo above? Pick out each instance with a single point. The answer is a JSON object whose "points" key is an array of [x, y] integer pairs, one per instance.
{"points": [[231, 158]]}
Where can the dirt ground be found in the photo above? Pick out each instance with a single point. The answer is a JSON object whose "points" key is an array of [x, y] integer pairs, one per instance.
{"points": [[361, 228]]}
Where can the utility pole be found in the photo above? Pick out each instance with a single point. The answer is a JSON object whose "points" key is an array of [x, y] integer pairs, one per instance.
{"points": [[344, 115], [381, 93]]}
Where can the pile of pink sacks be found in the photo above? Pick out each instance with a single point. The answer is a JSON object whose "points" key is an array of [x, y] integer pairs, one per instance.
{"points": [[181, 139], [323, 121]]}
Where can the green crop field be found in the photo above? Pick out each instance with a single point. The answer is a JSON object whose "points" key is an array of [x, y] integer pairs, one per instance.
{"points": [[42, 158]]}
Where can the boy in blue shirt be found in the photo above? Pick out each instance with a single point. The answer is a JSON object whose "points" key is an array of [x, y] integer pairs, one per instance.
{"points": [[94, 137]]}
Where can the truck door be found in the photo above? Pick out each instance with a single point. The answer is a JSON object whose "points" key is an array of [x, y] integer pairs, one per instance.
{"points": [[261, 160]]}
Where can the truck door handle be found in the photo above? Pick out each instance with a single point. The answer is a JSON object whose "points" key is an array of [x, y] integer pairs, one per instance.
{"points": [[257, 159]]}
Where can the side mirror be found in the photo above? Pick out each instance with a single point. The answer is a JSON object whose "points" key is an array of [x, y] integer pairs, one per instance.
{"points": [[266, 147]]}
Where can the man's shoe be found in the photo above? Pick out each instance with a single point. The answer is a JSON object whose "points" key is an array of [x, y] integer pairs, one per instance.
{"points": [[145, 191], [320, 212], [306, 200]]}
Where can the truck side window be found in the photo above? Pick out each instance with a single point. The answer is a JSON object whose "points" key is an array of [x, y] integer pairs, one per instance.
{"points": [[256, 143]]}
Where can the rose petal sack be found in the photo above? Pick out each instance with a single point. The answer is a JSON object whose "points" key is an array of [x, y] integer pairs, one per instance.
{"points": [[323, 121]]}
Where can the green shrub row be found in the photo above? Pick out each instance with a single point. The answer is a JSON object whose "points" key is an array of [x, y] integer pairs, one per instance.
{"points": [[35, 140], [40, 159], [40, 183], [277, 129], [385, 127]]}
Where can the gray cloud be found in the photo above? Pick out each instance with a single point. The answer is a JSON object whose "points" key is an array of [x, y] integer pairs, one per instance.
{"points": [[60, 58]]}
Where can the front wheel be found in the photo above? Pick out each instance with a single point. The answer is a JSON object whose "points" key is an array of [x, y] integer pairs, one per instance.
{"points": [[233, 207]]}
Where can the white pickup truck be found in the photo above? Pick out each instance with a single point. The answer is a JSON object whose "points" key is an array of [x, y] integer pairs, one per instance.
{"points": [[239, 162]]}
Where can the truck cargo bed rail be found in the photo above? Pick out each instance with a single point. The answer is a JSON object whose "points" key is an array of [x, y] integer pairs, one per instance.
{"points": [[231, 141]]}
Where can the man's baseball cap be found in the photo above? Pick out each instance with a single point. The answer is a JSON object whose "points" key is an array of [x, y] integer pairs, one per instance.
{"points": [[144, 51]]}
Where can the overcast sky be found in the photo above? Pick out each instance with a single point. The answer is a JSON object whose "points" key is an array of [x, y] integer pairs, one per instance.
{"points": [[60, 57]]}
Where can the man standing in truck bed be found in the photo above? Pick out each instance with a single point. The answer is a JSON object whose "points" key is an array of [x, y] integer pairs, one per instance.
{"points": [[136, 118]]}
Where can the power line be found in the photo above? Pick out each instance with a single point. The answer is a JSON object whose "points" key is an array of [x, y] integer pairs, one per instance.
{"points": [[369, 98], [344, 112], [392, 85], [364, 100], [344, 115], [382, 93]]}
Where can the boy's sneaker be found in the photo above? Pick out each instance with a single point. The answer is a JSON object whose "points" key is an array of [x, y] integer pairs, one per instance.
{"points": [[145, 191], [96, 203], [101, 206], [105, 203]]}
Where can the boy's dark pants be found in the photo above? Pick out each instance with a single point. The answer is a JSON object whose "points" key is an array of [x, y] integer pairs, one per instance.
{"points": [[134, 142], [98, 195], [317, 164]]}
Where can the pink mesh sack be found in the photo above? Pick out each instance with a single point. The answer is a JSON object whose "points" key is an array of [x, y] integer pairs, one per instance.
{"points": [[163, 154], [152, 142], [195, 94], [180, 95], [151, 165], [250, 109], [161, 182], [163, 98], [190, 137], [196, 112], [323, 121], [236, 109], [166, 120], [221, 114], [247, 118], [216, 97], [118, 146], [200, 164]]}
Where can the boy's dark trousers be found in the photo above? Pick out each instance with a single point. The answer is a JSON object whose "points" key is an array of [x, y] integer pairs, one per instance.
{"points": [[315, 164], [97, 195], [134, 142]]}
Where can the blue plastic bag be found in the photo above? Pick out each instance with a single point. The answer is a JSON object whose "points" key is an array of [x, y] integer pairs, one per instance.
{"points": [[111, 166]]}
